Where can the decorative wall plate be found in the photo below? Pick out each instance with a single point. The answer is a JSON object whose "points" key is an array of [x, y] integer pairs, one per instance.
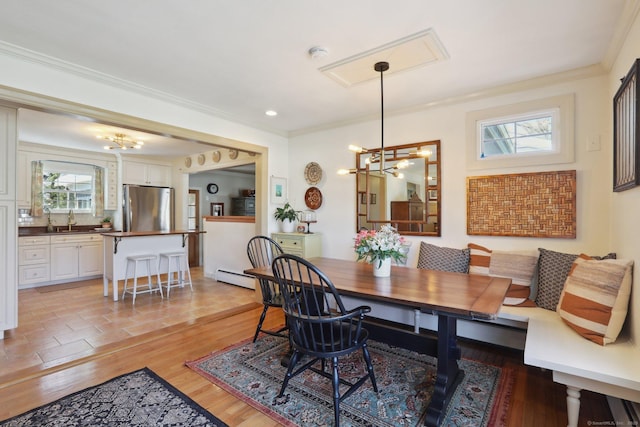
{"points": [[233, 154], [187, 162], [216, 156], [201, 159], [313, 173], [313, 198]]}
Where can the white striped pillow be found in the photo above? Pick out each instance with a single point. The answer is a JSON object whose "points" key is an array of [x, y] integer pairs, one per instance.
{"points": [[479, 259], [520, 267], [595, 298]]}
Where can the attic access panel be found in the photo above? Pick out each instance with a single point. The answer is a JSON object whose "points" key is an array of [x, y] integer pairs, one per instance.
{"points": [[524, 205]]}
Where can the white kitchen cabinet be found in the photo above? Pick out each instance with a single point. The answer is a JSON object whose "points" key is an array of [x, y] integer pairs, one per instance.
{"points": [[33, 259], [8, 220], [75, 256], [146, 174], [300, 244]]}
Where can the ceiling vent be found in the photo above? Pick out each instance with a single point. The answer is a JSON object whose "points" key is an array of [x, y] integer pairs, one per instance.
{"points": [[416, 50]]}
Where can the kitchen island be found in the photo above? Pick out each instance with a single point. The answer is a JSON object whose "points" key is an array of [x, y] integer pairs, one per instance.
{"points": [[119, 245]]}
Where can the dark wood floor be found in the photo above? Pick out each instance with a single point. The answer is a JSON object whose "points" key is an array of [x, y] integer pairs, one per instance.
{"points": [[535, 399]]}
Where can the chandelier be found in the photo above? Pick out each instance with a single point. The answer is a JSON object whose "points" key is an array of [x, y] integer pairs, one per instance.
{"points": [[378, 155], [121, 141]]}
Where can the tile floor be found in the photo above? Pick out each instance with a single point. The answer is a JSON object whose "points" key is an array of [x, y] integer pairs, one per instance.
{"points": [[58, 325]]}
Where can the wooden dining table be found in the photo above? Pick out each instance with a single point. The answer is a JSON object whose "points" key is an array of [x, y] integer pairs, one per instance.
{"points": [[450, 296]]}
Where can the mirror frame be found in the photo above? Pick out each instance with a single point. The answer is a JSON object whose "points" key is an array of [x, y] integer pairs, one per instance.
{"points": [[398, 153]]}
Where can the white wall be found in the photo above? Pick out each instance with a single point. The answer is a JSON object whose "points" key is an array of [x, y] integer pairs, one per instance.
{"points": [[625, 225], [229, 186], [336, 217]]}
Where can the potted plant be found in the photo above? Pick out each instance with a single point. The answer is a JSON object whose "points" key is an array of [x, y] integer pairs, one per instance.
{"points": [[287, 215], [380, 247], [106, 222]]}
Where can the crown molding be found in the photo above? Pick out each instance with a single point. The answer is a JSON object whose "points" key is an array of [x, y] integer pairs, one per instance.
{"points": [[530, 84], [625, 23], [100, 77]]}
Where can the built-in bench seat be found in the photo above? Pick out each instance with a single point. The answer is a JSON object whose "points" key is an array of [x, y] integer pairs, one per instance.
{"points": [[613, 370], [548, 343]]}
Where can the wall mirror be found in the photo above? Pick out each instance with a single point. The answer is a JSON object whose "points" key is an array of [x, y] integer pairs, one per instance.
{"points": [[400, 185]]}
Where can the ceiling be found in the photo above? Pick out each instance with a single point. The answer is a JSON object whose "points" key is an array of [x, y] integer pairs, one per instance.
{"points": [[237, 59]]}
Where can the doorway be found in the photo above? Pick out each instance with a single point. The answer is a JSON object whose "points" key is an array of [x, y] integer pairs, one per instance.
{"points": [[193, 219]]}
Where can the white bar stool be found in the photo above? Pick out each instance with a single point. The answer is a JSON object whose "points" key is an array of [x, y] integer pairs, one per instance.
{"points": [[179, 259], [133, 260]]}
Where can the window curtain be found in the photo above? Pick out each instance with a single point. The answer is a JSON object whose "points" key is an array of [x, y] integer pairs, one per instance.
{"points": [[36, 188], [98, 209]]}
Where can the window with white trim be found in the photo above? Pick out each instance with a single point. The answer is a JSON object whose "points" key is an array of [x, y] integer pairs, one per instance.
{"points": [[67, 186], [529, 133], [518, 135]]}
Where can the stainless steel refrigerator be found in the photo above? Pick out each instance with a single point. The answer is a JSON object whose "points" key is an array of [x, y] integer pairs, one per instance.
{"points": [[147, 208]]}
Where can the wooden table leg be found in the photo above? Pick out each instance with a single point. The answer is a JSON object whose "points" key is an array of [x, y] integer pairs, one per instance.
{"points": [[449, 375]]}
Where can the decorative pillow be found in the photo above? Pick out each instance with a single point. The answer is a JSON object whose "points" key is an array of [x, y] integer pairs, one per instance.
{"points": [[595, 298], [433, 257], [479, 259], [553, 269], [520, 267]]}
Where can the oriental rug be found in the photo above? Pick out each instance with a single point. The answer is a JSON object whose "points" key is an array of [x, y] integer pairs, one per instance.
{"points": [[252, 372], [140, 398]]}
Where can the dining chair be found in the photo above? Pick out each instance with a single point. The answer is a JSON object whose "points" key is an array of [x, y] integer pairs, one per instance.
{"points": [[261, 251], [316, 329]]}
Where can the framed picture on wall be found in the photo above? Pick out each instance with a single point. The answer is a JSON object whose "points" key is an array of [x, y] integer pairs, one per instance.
{"points": [[626, 132], [217, 209], [278, 190]]}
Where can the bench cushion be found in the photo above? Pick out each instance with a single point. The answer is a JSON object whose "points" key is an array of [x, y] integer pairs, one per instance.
{"points": [[595, 298], [553, 269]]}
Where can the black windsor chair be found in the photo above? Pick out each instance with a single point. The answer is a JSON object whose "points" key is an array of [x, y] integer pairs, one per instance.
{"points": [[261, 251], [318, 331]]}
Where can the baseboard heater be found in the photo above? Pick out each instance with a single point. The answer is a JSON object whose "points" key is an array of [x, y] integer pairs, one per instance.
{"points": [[235, 278]]}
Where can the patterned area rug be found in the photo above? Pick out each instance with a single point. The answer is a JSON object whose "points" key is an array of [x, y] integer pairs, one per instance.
{"points": [[252, 372], [140, 398]]}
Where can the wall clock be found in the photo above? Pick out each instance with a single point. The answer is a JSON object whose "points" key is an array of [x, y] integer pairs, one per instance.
{"points": [[212, 188]]}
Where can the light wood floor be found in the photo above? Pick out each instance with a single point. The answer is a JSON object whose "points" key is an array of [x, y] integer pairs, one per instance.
{"points": [[117, 338]]}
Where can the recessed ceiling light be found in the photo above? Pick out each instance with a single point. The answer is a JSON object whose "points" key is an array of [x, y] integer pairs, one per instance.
{"points": [[271, 113]]}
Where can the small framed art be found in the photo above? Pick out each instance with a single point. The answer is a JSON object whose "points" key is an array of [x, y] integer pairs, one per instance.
{"points": [[217, 209], [278, 190]]}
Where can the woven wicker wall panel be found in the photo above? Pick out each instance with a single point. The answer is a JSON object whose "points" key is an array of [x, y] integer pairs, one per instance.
{"points": [[526, 205]]}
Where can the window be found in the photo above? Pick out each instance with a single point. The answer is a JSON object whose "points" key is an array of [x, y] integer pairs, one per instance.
{"points": [[515, 136], [67, 186], [530, 133]]}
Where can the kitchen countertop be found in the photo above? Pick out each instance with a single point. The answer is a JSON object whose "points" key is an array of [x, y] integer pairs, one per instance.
{"points": [[76, 229], [149, 233]]}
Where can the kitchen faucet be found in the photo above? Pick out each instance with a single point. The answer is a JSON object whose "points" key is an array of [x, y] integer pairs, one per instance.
{"points": [[71, 219]]}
